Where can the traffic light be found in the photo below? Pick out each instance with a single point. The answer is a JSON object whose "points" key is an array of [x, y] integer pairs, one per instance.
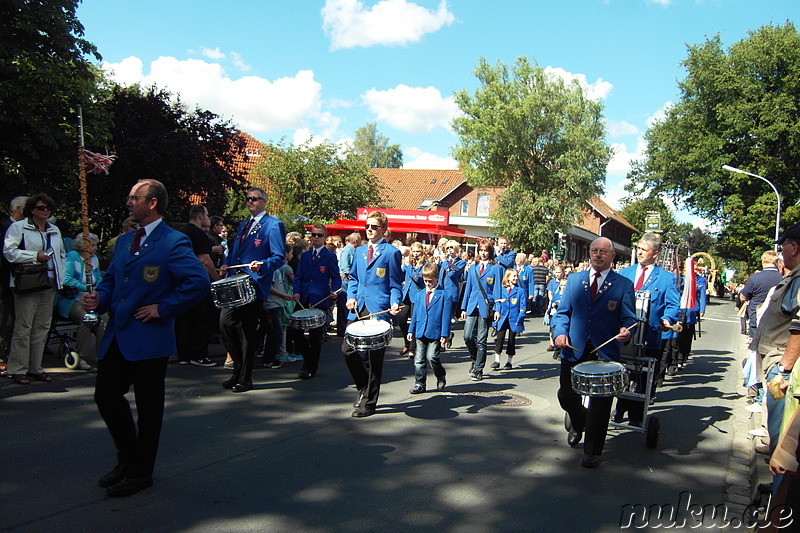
{"points": [[555, 241]]}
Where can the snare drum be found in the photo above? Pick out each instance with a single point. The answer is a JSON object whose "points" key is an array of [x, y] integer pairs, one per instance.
{"points": [[599, 378], [307, 319], [234, 291], [366, 335]]}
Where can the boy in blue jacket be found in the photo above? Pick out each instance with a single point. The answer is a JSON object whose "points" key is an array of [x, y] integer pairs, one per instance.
{"points": [[430, 325]]}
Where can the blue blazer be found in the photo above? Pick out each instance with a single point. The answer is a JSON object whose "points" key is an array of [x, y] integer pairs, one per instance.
{"points": [[266, 242], [431, 322], [507, 259], [490, 281], [412, 283], [512, 308], [376, 286], [164, 271], [450, 277], [525, 278], [314, 280], [582, 320], [665, 301]]}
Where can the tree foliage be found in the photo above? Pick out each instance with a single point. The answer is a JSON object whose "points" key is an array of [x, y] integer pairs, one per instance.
{"points": [[155, 136], [635, 212], [540, 138], [738, 107], [375, 149], [44, 77], [316, 183]]}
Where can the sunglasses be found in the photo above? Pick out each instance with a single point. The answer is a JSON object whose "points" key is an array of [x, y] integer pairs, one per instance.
{"points": [[42, 208], [372, 227], [317, 234], [255, 198]]}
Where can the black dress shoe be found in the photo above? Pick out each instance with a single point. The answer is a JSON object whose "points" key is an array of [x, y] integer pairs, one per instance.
{"points": [[441, 383], [363, 411], [574, 436], [357, 403], [115, 476], [242, 387], [229, 384], [618, 415], [305, 375], [129, 486], [590, 460], [418, 389]]}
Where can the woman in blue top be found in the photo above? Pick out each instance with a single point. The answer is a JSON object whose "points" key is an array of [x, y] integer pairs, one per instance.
{"points": [[412, 284], [88, 338]]}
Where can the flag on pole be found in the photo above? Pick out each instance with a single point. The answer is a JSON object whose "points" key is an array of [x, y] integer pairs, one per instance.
{"points": [[96, 163], [689, 295]]}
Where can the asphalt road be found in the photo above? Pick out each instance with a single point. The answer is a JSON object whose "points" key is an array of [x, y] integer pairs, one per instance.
{"points": [[483, 457]]}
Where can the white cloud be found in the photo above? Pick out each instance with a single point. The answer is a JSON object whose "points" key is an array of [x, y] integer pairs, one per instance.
{"points": [[659, 115], [620, 163], [239, 63], [620, 128], [615, 192], [255, 104], [412, 109], [594, 91], [388, 22], [212, 54], [425, 160], [660, 2]]}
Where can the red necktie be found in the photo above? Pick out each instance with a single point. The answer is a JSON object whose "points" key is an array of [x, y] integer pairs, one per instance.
{"points": [[640, 281], [247, 230], [428, 298], [137, 237], [593, 288], [369, 254], [483, 267], [314, 255]]}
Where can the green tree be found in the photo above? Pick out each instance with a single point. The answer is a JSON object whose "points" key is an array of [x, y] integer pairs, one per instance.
{"points": [[375, 149], [541, 139], [315, 183], [44, 76], [635, 212], [155, 136], [737, 107]]}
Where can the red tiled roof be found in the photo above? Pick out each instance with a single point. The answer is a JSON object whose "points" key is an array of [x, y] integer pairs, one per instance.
{"points": [[407, 188], [599, 205]]}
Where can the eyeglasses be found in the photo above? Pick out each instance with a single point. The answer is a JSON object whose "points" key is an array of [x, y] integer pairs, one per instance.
{"points": [[317, 234], [42, 208], [133, 198], [595, 251], [783, 245], [373, 227], [255, 198], [451, 247]]}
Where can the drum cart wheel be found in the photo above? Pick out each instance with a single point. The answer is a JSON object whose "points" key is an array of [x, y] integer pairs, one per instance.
{"points": [[567, 421], [652, 431], [72, 359]]}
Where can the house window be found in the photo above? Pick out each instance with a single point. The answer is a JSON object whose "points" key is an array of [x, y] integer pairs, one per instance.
{"points": [[464, 208], [483, 205]]}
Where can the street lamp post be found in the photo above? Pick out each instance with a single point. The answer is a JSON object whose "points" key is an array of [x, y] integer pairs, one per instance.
{"points": [[778, 215]]}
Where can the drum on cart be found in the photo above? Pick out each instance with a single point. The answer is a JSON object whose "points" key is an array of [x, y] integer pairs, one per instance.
{"points": [[234, 291], [599, 378], [307, 319], [366, 335]]}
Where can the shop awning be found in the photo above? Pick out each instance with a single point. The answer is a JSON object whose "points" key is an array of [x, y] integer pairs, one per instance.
{"points": [[445, 231]]}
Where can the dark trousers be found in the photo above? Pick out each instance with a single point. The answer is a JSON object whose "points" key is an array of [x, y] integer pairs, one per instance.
{"points": [[511, 351], [366, 368], [274, 325], [403, 317], [635, 408], [239, 327], [309, 347], [192, 330], [685, 339], [427, 352], [594, 420], [115, 375], [341, 310]]}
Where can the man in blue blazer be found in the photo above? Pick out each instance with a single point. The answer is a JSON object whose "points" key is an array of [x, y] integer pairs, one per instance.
{"points": [[376, 280], [664, 303], [505, 255], [598, 304], [315, 284], [259, 242], [430, 326], [153, 276], [691, 317]]}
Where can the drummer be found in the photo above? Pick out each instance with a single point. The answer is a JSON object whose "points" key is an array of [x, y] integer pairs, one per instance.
{"points": [[376, 279], [316, 283], [597, 304]]}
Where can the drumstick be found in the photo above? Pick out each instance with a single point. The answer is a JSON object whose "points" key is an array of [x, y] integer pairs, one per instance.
{"points": [[568, 345], [612, 338], [375, 314], [676, 327], [328, 296], [245, 265]]}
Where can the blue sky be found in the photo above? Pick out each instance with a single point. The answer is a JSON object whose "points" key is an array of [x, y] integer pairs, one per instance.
{"points": [[296, 70]]}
